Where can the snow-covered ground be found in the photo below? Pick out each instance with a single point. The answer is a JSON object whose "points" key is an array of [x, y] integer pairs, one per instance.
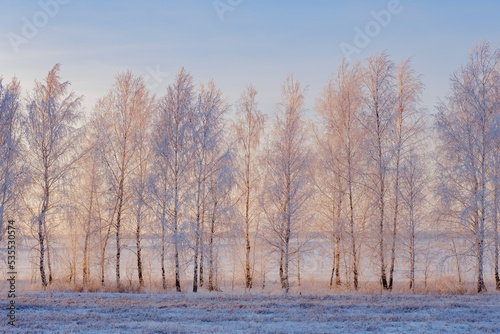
{"points": [[226, 313]]}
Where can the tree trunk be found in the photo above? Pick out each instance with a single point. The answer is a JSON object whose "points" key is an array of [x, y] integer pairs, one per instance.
{"points": [[263, 271], [338, 231], [481, 215], [495, 235], [288, 221], [248, 274], [281, 271], [298, 267], [85, 265], [42, 231], [47, 249], [105, 244], [211, 286], [353, 241], [481, 287], [85, 269], [103, 261], [351, 218], [139, 248], [103, 258], [72, 266], [287, 251], [42, 248], [412, 249], [197, 236], [202, 245], [287, 285], [396, 211], [176, 236], [334, 259], [176, 259], [337, 269], [162, 255], [396, 188], [381, 199], [480, 257], [118, 225], [457, 262]]}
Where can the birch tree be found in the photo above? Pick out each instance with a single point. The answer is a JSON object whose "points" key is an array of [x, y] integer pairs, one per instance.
{"points": [[288, 175], [95, 201], [219, 185], [378, 103], [249, 127], [159, 190], [412, 189], [139, 182], [52, 133], [173, 149], [340, 152], [207, 133], [10, 147], [409, 88], [495, 178], [120, 114], [89, 192], [466, 136]]}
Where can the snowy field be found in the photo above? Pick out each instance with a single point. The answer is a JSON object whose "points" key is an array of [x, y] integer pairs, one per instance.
{"points": [[225, 313]]}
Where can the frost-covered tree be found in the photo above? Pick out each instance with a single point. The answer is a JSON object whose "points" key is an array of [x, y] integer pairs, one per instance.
{"points": [[412, 191], [408, 88], [139, 181], [120, 114], [52, 133], [88, 193], [207, 135], [467, 133], [249, 127], [10, 148], [173, 148], [338, 175], [495, 212], [288, 175], [96, 200], [218, 205], [378, 81]]}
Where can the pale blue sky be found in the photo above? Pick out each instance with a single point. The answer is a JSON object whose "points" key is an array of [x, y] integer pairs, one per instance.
{"points": [[258, 41]]}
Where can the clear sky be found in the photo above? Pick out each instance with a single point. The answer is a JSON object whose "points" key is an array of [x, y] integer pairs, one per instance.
{"points": [[257, 41]]}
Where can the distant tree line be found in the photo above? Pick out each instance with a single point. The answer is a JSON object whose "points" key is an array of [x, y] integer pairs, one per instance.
{"points": [[375, 174]]}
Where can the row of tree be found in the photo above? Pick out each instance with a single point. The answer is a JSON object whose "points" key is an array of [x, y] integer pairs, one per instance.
{"points": [[180, 175]]}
